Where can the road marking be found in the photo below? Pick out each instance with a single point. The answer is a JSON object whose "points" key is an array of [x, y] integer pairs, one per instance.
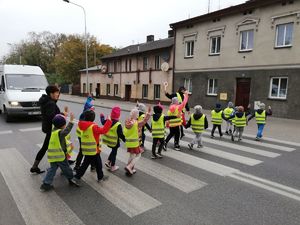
{"points": [[35, 207], [6, 132], [225, 155], [207, 165], [124, 196], [170, 176], [238, 147], [30, 129], [267, 145]]}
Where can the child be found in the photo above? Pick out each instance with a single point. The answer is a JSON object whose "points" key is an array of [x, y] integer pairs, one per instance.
{"points": [[57, 150], [90, 140], [89, 105], [227, 113], [132, 132], [199, 123], [217, 117], [174, 124], [158, 129], [112, 137], [261, 117], [142, 109]]}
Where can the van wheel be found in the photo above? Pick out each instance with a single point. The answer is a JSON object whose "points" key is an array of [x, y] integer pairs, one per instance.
{"points": [[7, 117]]}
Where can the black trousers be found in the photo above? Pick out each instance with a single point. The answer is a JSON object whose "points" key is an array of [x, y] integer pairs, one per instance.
{"points": [[161, 144], [80, 156], [44, 148], [174, 131], [113, 155], [213, 129], [88, 160]]}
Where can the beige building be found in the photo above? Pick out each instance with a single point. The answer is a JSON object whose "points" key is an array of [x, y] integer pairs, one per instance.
{"points": [[246, 53], [136, 72]]}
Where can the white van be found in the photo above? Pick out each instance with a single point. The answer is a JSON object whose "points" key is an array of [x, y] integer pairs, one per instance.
{"points": [[21, 86]]}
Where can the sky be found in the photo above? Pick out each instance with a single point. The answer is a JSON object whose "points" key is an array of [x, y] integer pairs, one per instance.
{"points": [[118, 23]]}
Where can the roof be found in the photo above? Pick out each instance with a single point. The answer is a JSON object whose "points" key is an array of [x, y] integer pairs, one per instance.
{"points": [[21, 69], [249, 5], [93, 68], [144, 47]]}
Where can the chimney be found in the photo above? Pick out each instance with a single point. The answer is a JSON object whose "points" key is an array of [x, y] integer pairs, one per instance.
{"points": [[150, 38], [170, 33]]}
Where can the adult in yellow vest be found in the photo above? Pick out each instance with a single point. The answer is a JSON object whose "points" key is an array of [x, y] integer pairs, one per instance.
{"points": [[57, 151], [199, 123], [175, 109], [261, 117], [180, 96], [217, 117], [132, 132], [90, 144], [112, 137], [228, 111]]}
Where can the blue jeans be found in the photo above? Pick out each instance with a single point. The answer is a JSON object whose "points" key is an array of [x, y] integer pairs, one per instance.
{"points": [[65, 168], [260, 129]]}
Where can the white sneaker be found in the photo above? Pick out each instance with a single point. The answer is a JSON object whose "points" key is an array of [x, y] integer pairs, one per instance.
{"points": [[114, 168]]}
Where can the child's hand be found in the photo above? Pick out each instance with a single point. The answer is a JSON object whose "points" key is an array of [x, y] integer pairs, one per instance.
{"points": [[71, 117], [149, 109], [108, 117], [66, 110], [186, 93]]}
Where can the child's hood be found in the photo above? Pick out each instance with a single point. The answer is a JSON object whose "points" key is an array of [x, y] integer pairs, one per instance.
{"points": [[173, 108], [84, 125], [129, 123]]}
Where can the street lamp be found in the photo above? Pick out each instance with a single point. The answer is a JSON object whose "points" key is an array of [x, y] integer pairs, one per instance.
{"points": [[86, 45]]}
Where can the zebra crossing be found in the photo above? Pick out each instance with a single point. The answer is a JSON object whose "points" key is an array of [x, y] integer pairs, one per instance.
{"points": [[133, 201]]}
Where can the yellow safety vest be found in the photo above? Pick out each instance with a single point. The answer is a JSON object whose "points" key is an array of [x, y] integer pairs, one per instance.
{"points": [[141, 117], [111, 137], [228, 112], [55, 152], [180, 100], [260, 118], [198, 125], [132, 136], [216, 117], [78, 132], [174, 122], [240, 122], [88, 142], [69, 144], [158, 127]]}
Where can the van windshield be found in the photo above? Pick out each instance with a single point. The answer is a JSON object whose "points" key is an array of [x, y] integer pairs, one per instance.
{"points": [[26, 81]]}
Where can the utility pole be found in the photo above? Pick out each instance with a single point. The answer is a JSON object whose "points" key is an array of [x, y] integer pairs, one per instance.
{"points": [[208, 7]]}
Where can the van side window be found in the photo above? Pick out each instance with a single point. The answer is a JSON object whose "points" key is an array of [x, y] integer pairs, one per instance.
{"points": [[2, 83]]}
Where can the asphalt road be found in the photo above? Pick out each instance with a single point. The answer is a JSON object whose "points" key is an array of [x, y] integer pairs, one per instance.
{"points": [[225, 183]]}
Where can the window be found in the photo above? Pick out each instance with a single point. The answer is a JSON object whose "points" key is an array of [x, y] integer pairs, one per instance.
{"points": [[157, 62], [246, 40], [84, 88], [189, 48], [107, 89], [145, 91], [91, 88], [115, 66], [126, 68], [284, 35], [116, 90], [188, 85], [156, 91], [129, 65], [278, 87], [215, 45], [145, 63], [212, 88]]}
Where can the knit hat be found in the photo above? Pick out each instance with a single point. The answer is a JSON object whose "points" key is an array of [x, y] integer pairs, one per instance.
{"points": [[241, 108], [182, 88], [230, 105], [141, 107], [89, 115], [89, 104], [174, 100], [262, 106], [51, 89], [157, 109], [218, 105], [115, 113], [134, 113], [198, 109], [59, 121]]}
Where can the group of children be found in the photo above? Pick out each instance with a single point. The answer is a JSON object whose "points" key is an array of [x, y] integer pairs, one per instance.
{"points": [[91, 136]]}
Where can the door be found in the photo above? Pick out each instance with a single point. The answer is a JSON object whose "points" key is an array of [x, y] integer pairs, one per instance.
{"points": [[242, 92], [127, 92]]}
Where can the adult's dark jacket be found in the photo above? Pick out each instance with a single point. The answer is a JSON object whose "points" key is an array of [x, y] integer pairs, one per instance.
{"points": [[48, 109], [170, 96]]}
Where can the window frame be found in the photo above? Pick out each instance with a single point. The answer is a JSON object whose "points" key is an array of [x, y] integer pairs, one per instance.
{"points": [[284, 37], [213, 89], [190, 49], [279, 85], [143, 91], [247, 49], [154, 89], [145, 63], [157, 62], [107, 89], [116, 87], [217, 37]]}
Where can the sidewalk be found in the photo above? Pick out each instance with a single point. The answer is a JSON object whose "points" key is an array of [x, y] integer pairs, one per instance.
{"points": [[278, 128]]}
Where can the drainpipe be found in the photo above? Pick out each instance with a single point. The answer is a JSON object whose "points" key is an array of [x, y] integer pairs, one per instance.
{"points": [[174, 49]]}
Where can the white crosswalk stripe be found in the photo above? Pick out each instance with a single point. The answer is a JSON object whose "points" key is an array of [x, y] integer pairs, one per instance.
{"points": [[30, 129], [6, 132], [236, 146], [35, 207]]}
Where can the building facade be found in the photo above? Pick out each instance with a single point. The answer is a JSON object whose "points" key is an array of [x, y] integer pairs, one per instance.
{"points": [[136, 72], [247, 53]]}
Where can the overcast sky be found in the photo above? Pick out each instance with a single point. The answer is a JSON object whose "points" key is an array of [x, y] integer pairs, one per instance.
{"points": [[115, 22]]}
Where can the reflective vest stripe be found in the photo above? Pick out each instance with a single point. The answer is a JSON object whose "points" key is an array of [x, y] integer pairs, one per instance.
{"points": [[158, 127], [216, 117], [111, 137], [197, 125], [88, 142], [260, 118], [174, 122], [240, 122], [55, 152], [132, 136], [78, 132]]}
